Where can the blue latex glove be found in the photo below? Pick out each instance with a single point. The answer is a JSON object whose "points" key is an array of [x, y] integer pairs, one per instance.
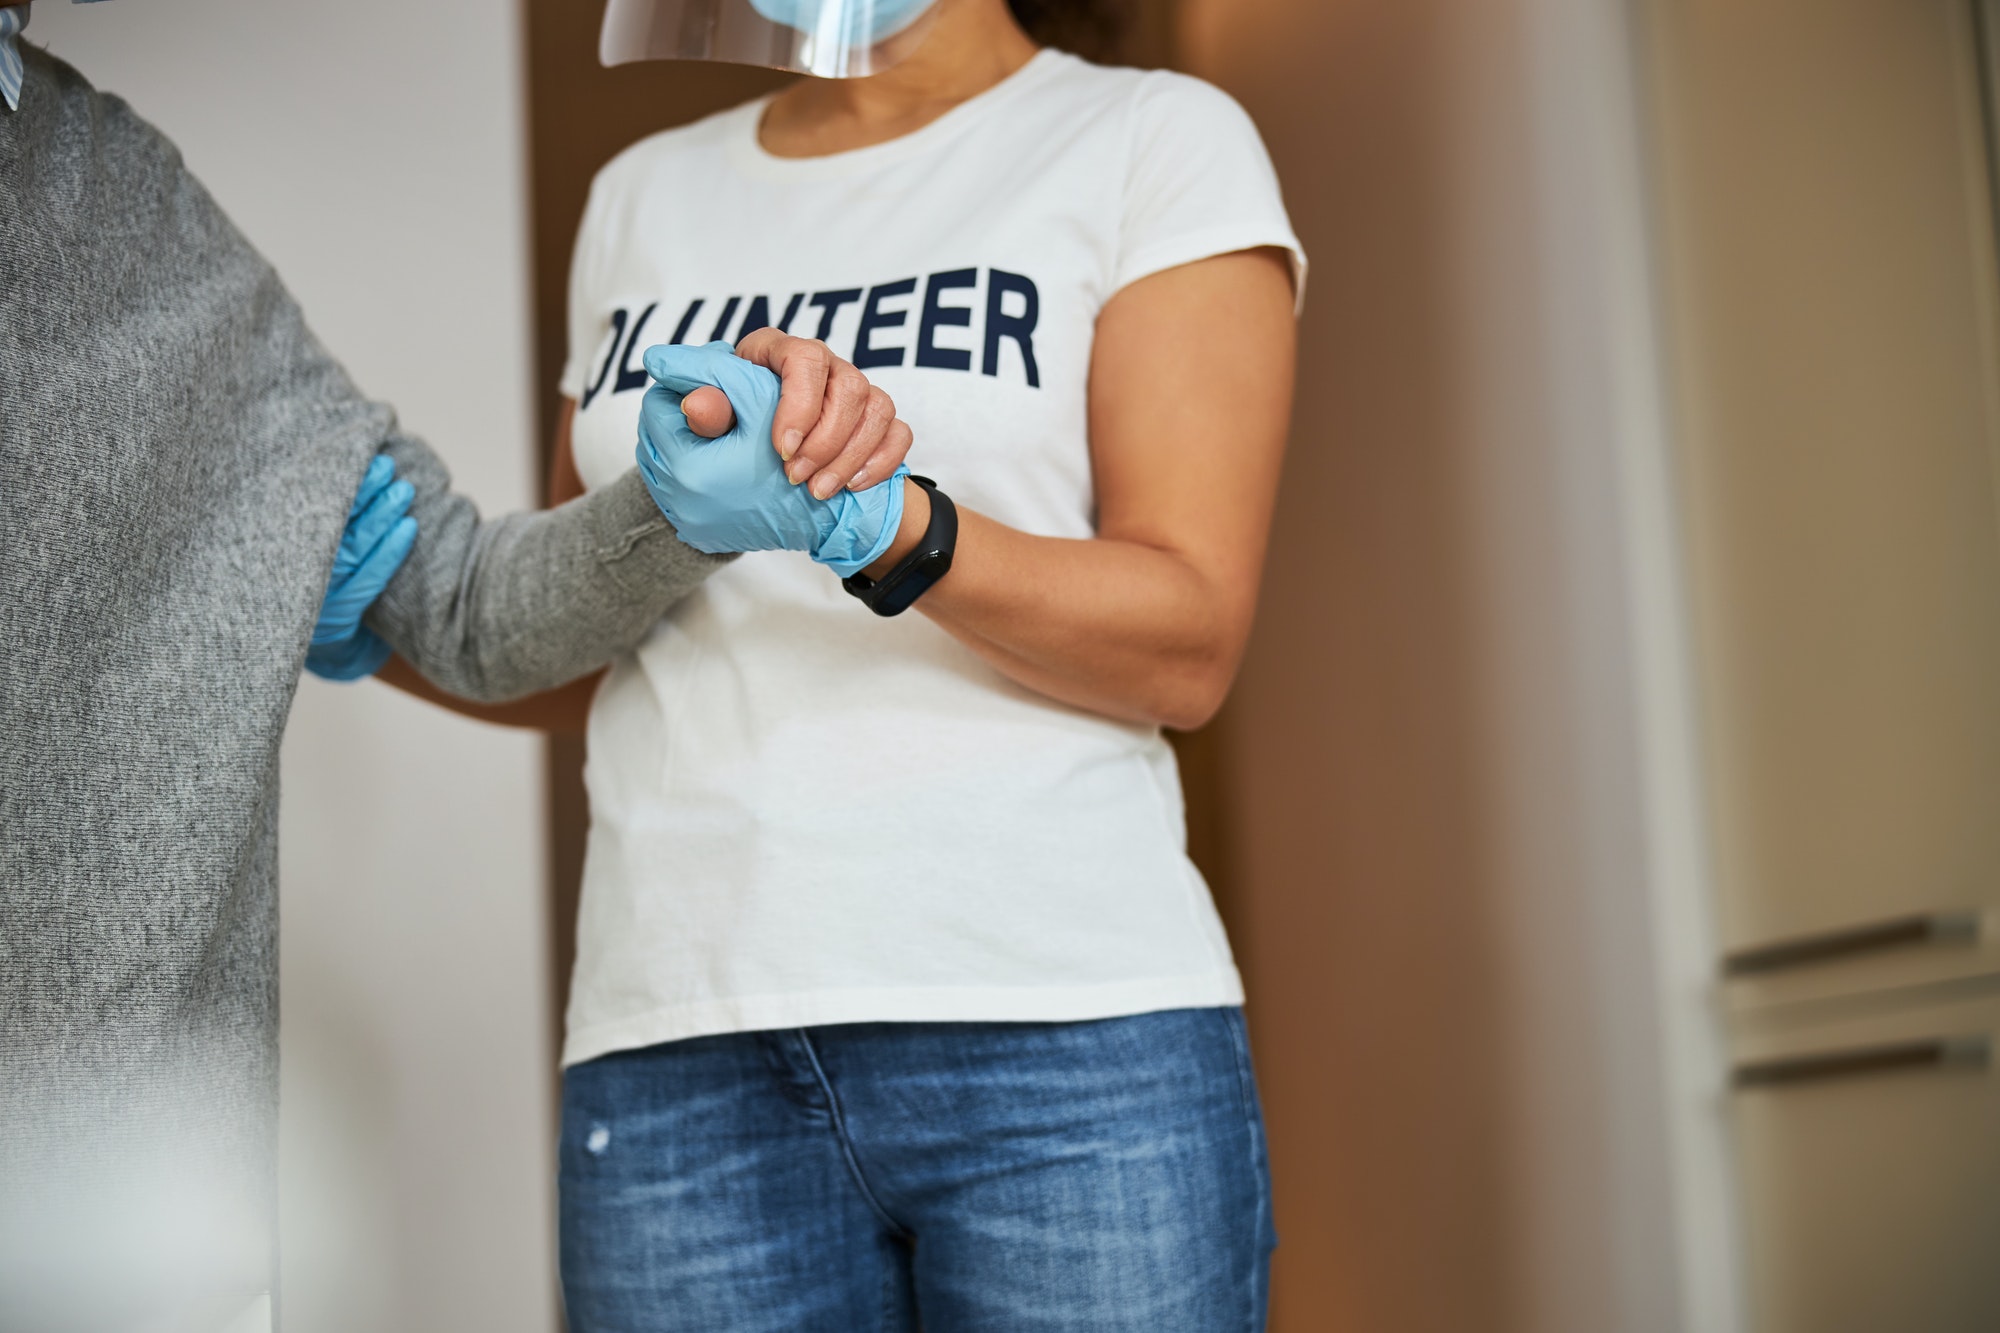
{"points": [[730, 493], [378, 539]]}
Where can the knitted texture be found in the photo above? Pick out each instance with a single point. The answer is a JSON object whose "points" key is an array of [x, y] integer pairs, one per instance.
{"points": [[177, 456]]}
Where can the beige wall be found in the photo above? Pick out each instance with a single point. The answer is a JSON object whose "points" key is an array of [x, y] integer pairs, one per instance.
{"points": [[1465, 871], [1350, 803]]}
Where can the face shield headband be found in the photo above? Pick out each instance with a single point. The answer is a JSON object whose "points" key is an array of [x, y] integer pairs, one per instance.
{"points": [[830, 39]]}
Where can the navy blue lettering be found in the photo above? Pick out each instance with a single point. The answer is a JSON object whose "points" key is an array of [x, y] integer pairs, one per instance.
{"points": [[756, 317], [1012, 311], [867, 356], [830, 303], [722, 323], [938, 315], [1000, 324], [618, 318], [687, 321], [629, 378]]}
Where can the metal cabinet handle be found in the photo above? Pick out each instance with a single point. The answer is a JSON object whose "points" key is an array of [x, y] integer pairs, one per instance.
{"points": [[1895, 932], [1973, 1052]]}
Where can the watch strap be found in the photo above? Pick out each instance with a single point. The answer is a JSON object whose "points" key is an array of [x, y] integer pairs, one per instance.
{"points": [[930, 560]]}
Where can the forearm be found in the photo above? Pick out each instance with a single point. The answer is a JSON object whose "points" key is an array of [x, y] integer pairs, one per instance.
{"points": [[496, 610], [1147, 621], [1115, 626]]}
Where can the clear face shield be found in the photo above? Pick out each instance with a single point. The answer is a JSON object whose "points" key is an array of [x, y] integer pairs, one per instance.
{"points": [[831, 39]]}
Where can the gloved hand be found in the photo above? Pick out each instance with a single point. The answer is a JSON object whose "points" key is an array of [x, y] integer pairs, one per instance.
{"points": [[378, 539], [729, 493]]}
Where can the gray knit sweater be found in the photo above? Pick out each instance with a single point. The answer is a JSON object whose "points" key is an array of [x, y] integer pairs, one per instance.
{"points": [[177, 455]]}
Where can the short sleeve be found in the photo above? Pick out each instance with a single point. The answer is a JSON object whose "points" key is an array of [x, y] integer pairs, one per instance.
{"points": [[585, 318], [1199, 183]]}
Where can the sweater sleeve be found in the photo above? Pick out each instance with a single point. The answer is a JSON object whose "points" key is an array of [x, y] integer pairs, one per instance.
{"points": [[494, 609], [255, 438]]}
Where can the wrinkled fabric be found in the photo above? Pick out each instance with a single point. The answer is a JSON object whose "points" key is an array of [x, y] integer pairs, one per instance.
{"points": [[1102, 1177]]}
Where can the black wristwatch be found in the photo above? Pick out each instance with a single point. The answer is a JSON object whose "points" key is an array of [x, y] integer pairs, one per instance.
{"points": [[896, 591]]}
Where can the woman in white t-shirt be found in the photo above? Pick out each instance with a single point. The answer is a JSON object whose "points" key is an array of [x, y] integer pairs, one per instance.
{"points": [[897, 997]]}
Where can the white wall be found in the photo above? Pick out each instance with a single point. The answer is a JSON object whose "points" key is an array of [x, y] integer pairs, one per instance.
{"points": [[374, 150], [1617, 1132]]}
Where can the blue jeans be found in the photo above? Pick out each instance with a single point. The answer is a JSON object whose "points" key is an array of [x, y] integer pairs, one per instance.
{"points": [[1026, 1177]]}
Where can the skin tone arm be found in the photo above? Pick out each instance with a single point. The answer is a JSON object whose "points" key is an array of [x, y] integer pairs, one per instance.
{"points": [[827, 408], [1148, 621], [1190, 399]]}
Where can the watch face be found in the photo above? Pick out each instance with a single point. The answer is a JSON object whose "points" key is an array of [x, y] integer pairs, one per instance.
{"points": [[922, 572]]}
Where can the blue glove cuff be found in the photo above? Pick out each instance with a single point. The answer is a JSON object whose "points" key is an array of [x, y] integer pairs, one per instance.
{"points": [[351, 659], [877, 510]]}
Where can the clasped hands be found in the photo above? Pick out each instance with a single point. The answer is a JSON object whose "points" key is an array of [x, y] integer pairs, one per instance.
{"points": [[790, 456]]}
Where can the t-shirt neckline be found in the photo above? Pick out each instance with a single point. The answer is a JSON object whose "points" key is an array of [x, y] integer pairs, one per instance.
{"points": [[751, 155]]}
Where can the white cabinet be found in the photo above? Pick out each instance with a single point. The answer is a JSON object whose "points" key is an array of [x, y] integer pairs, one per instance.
{"points": [[1828, 259], [1870, 1157]]}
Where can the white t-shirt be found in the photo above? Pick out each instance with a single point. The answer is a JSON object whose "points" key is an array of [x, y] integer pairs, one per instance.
{"points": [[802, 813]]}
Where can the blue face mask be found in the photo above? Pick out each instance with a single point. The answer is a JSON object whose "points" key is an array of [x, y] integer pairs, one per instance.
{"points": [[861, 22]]}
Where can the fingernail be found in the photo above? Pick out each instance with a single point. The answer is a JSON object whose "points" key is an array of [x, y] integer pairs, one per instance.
{"points": [[860, 480], [824, 485], [798, 472], [793, 439]]}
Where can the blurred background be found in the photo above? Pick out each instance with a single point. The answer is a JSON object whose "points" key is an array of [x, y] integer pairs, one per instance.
{"points": [[1606, 814]]}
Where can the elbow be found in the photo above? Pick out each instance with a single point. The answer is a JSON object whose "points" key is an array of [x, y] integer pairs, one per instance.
{"points": [[1190, 714], [462, 674], [1189, 689], [496, 684], [1194, 678], [1191, 698], [474, 690]]}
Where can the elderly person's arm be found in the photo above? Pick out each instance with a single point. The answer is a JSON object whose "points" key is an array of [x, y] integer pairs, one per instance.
{"points": [[490, 611], [496, 609]]}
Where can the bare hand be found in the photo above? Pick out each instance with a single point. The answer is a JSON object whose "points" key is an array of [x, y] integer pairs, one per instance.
{"points": [[832, 427]]}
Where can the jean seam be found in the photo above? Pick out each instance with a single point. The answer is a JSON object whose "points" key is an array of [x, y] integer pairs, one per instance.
{"points": [[1252, 1133], [889, 1321], [839, 1120]]}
